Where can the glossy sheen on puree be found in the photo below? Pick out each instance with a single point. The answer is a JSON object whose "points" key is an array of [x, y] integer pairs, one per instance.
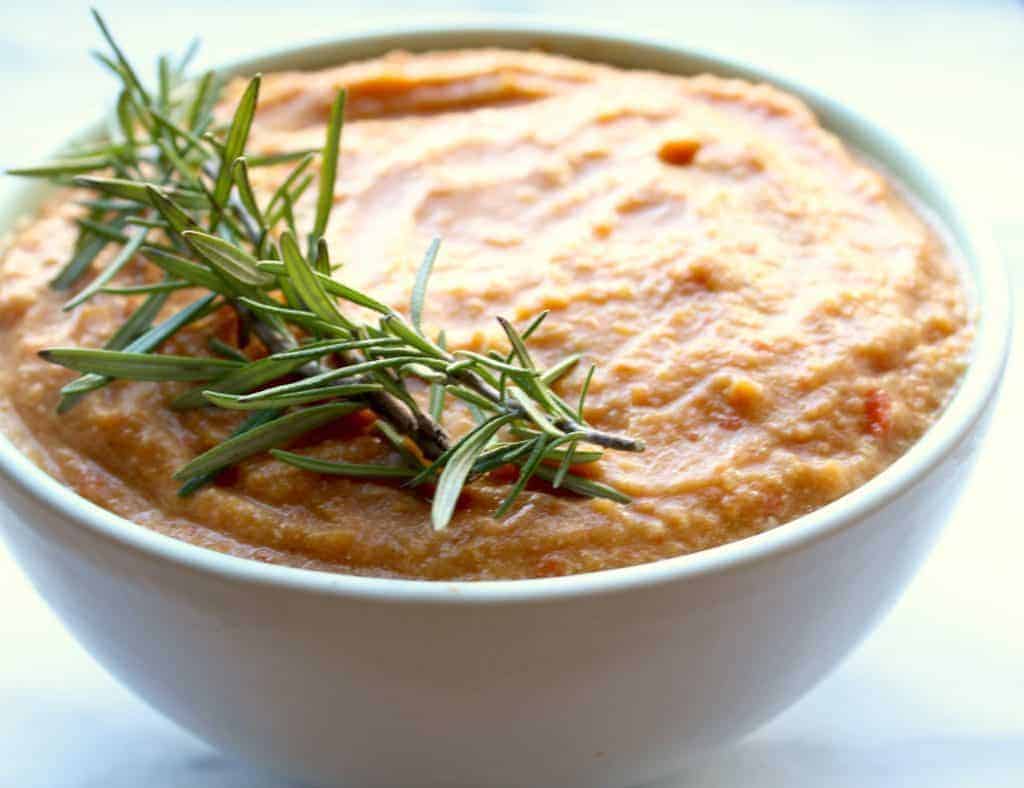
{"points": [[767, 312]]}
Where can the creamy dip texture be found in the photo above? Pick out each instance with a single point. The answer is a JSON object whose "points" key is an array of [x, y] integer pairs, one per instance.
{"points": [[766, 312]]}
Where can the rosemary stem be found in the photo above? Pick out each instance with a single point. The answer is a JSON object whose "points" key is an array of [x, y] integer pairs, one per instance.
{"points": [[428, 436], [607, 440], [597, 437]]}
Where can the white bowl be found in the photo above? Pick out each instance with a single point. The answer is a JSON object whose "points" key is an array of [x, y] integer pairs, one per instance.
{"points": [[605, 679]]}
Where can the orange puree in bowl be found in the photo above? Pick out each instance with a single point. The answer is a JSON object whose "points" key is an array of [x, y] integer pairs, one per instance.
{"points": [[767, 312]]}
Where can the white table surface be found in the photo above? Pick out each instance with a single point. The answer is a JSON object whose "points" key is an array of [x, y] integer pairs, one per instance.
{"points": [[934, 698]]}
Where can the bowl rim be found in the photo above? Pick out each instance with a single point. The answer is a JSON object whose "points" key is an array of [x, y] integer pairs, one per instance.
{"points": [[986, 274]]}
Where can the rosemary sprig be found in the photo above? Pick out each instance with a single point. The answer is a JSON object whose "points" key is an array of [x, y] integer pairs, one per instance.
{"points": [[173, 193]]}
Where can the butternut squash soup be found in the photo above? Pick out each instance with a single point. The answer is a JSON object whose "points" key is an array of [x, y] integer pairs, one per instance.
{"points": [[767, 312]]}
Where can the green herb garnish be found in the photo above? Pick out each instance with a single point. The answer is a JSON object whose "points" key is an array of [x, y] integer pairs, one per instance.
{"points": [[171, 187]]}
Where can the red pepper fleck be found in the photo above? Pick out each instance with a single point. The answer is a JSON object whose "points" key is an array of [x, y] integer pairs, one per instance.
{"points": [[878, 410], [505, 473], [551, 566]]}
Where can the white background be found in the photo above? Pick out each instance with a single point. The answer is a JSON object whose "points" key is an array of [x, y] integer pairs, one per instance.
{"points": [[934, 698]]}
